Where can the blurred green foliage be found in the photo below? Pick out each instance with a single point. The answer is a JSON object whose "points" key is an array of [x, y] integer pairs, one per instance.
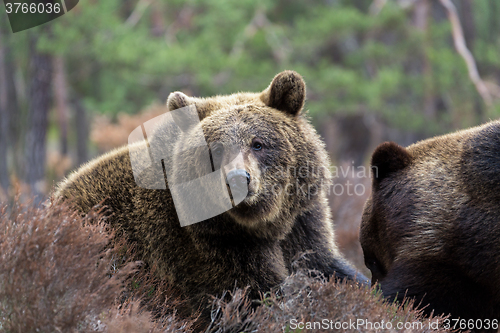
{"points": [[352, 61]]}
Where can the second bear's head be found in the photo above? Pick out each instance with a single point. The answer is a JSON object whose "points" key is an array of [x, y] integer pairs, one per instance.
{"points": [[270, 157]]}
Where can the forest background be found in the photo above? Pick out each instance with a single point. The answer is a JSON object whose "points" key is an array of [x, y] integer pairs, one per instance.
{"points": [[375, 70]]}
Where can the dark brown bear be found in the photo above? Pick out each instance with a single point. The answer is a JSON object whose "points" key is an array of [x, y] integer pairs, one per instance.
{"points": [[285, 213], [431, 229]]}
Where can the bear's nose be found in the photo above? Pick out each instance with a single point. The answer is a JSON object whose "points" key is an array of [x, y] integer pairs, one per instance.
{"points": [[238, 178]]}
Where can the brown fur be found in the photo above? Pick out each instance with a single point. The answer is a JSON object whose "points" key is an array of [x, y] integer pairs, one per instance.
{"points": [[431, 228], [253, 244]]}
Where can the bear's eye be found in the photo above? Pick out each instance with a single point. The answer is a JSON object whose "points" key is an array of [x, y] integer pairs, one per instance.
{"points": [[372, 264], [256, 145], [217, 151]]}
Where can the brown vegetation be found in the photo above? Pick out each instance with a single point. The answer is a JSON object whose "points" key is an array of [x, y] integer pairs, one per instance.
{"points": [[108, 135], [58, 274], [305, 299], [53, 270]]}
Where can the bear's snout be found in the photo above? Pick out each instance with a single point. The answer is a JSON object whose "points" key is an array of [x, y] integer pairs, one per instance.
{"points": [[238, 178]]}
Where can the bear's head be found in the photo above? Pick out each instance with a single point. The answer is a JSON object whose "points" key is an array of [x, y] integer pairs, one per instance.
{"points": [[425, 231], [270, 159], [387, 211]]}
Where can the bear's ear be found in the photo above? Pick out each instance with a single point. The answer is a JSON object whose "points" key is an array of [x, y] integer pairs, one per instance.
{"points": [[185, 118], [287, 93], [177, 100], [388, 157]]}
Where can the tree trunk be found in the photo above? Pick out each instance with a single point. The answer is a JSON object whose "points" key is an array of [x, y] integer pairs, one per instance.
{"points": [[468, 25], [61, 102], [39, 103], [421, 15], [82, 133], [157, 20], [4, 120], [469, 28], [494, 21], [12, 111]]}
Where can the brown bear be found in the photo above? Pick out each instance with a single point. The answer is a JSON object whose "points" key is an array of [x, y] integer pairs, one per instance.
{"points": [[281, 214], [431, 228]]}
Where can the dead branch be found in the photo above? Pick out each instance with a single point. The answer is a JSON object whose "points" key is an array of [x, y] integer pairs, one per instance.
{"points": [[377, 6], [461, 47], [279, 46], [459, 41], [138, 12], [258, 22], [183, 21]]}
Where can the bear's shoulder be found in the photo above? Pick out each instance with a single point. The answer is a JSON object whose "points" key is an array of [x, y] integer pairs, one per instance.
{"points": [[90, 184], [480, 162]]}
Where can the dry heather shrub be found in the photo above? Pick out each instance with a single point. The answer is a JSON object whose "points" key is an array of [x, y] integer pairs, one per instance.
{"points": [[306, 299], [54, 270], [56, 275], [131, 318], [60, 273], [108, 135], [148, 298]]}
